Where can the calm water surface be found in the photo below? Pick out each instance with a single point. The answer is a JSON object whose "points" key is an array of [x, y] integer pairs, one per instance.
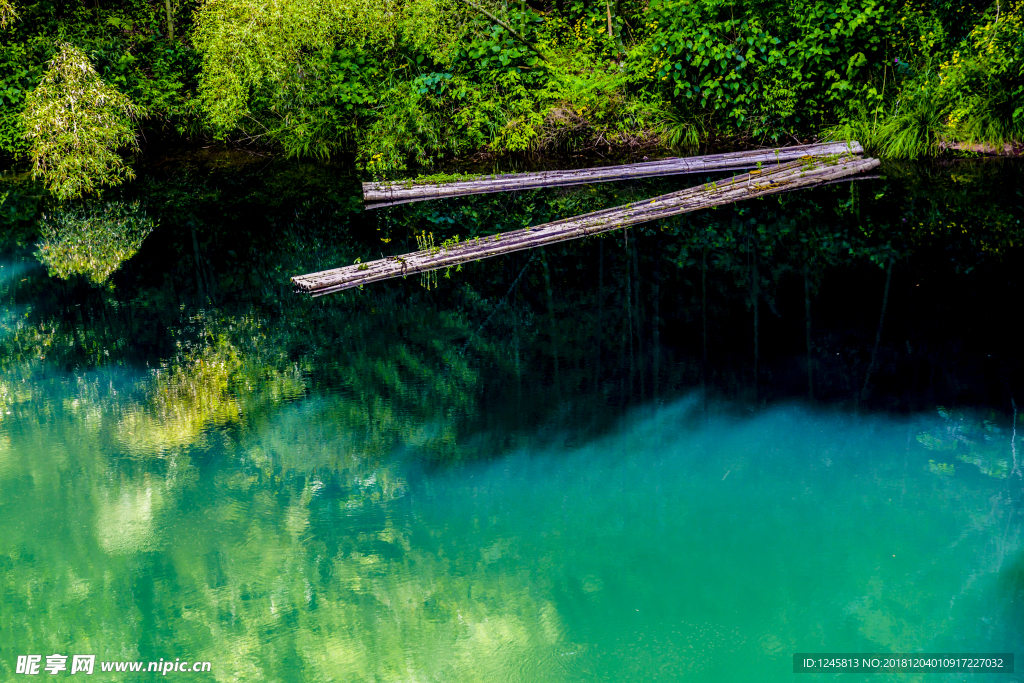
{"points": [[480, 484]]}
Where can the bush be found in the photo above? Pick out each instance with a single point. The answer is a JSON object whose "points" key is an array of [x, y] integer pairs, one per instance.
{"points": [[76, 124], [982, 85]]}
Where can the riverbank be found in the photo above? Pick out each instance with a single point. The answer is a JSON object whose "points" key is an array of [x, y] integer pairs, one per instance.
{"points": [[438, 82]]}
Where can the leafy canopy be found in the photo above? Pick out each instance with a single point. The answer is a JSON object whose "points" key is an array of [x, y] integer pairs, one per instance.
{"points": [[76, 124], [247, 45], [982, 85]]}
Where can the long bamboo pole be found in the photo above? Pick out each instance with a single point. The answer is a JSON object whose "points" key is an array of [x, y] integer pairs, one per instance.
{"points": [[170, 20], [789, 176], [400, 192]]}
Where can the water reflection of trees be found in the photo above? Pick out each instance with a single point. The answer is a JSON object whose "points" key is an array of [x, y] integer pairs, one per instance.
{"points": [[610, 321], [284, 547], [121, 506], [974, 439], [199, 392], [94, 241]]}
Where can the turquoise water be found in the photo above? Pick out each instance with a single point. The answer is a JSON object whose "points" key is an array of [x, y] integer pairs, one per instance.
{"points": [[674, 547], [682, 453]]}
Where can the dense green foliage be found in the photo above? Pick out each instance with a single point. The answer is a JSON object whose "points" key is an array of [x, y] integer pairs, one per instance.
{"points": [[75, 124], [7, 12], [400, 82]]}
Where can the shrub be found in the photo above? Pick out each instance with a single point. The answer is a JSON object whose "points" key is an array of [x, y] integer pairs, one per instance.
{"points": [[982, 85], [76, 124], [7, 13]]}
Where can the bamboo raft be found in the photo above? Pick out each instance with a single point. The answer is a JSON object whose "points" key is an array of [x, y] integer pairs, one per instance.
{"points": [[784, 177], [400, 192]]}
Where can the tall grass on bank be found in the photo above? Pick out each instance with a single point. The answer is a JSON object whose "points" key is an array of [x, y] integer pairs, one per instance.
{"points": [[913, 129]]}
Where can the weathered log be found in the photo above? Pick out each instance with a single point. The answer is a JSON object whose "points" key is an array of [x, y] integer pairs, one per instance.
{"points": [[400, 192], [378, 205], [788, 176]]}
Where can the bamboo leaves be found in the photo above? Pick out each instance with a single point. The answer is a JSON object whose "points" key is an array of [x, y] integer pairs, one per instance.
{"points": [[245, 44], [76, 124]]}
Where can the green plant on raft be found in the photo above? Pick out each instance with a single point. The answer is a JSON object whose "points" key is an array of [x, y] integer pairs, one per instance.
{"points": [[425, 242], [444, 178], [76, 124], [93, 242], [450, 243]]}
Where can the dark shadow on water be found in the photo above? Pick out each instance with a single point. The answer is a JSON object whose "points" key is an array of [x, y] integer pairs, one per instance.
{"points": [[890, 294]]}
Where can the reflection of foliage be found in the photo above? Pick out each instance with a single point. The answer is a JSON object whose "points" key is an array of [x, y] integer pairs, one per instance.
{"points": [[269, 560], [959, 212], [975, 441], [350, 569], [182, 398], [209, 382], [895, 620], [124, 523], [263, 426], [76, 124], [92, 242]]}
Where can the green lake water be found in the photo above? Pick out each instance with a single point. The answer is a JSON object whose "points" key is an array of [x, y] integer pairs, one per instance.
{"points": [[564, 467]]}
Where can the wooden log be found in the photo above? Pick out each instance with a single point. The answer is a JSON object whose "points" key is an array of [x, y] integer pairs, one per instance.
{"points": [[379, 205], [400, 192], [789, 176]]}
